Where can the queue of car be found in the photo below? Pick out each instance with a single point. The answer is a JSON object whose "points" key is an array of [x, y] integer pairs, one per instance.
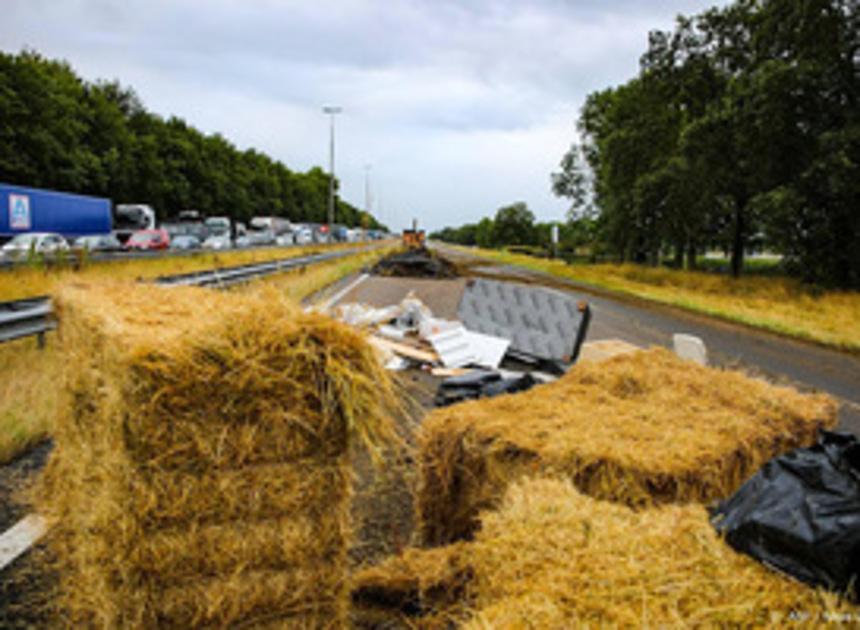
{"points": [[261, 234]]}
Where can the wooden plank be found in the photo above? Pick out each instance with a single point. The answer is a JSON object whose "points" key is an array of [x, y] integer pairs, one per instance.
{"points": [[446, 372], [404, 350]]}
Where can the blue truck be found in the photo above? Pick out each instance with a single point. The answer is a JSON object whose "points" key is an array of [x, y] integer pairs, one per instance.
{"points": [[25, 210]]}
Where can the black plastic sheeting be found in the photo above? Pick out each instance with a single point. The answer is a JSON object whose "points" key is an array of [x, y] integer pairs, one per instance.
{"points": [[801, 514], [480, 384]]}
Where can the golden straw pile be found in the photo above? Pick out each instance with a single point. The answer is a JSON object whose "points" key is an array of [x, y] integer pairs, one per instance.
{"points": [[417, 583], [554, 558], [639, 429], [551, 557], [201, 472]]}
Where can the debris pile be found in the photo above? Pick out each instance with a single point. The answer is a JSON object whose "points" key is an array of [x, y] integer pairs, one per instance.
{"points": [[640, 429], [551, 557], [417, 262], [201, 475], [408, 334]]}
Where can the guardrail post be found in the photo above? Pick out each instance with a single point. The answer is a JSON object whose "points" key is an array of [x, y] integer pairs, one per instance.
{"points": [[40, 340]]}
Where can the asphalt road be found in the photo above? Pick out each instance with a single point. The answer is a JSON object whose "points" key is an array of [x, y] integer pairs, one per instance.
{"points": [[803, 365]]}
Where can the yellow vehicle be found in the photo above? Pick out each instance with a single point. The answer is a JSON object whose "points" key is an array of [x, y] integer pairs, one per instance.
{"points": [[413, 238]]}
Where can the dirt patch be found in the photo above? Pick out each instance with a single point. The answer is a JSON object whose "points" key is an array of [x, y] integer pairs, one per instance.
{"points": [[14, 477], [415, 263]]}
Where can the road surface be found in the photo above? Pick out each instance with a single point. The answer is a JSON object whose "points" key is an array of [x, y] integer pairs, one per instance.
{"points": [[780, 359]]}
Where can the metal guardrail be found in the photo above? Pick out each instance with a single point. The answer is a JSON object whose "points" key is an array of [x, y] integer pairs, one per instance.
{"points": [[25, 318], [34, 316]]}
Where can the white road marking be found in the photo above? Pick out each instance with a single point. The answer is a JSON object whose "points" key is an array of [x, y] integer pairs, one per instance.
{"points": [[20, 537], [337, 297]]}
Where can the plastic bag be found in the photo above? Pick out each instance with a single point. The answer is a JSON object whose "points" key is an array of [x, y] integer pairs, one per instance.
{"points": [[801, 513], [480, 384]]}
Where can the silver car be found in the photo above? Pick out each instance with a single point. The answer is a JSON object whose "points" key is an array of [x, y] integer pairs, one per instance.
{"points": [[37, 242], [218, 242], [98, 243]]}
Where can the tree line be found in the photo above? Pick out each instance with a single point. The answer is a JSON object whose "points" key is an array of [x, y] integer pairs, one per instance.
{"points": [[741, 131], [516, 225], [60, 132]]}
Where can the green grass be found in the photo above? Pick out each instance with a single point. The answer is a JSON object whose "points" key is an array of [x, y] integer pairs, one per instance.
{"points": [[775, 303]]}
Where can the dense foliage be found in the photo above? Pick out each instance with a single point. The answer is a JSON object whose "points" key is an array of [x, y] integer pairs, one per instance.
{"points": [[741, 131], [60, 132]]}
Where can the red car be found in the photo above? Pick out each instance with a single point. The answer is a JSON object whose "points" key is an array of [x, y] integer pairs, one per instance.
{"points": [[145, 240]]}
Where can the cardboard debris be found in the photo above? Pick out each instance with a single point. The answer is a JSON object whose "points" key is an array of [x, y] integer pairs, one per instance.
{"points": [[433, 326], [459, 347]]}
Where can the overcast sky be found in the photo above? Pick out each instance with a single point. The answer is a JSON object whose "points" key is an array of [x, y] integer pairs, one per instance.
{"points": [[458, 107]]}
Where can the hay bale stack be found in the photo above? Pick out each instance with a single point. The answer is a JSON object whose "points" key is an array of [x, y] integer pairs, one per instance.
{"points": [[551, 557], [201, 472], [640, 428], [554, 558]]}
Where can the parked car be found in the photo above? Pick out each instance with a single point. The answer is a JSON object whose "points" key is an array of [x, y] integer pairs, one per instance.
{"points": [[303, 236], [256, 238], [286, 239], [36, 242], [218, 241], [185, 241], [319, 233], [148, 240], [98, 243]]}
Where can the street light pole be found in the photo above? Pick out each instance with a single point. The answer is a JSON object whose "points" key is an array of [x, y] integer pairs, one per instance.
{"points": [[367, 168], [332, 111]]}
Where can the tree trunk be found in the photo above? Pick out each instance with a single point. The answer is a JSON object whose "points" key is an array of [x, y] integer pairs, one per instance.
{"points": [[679, 255], [691, 255], [738, 241]]}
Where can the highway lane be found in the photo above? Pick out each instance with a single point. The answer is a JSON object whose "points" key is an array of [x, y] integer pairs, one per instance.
{"points": [[780, 359]]}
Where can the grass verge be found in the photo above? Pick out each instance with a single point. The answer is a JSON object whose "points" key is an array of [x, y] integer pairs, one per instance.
{"points": [[778, 304], [30, 378], [32, 280], [28, 388]]}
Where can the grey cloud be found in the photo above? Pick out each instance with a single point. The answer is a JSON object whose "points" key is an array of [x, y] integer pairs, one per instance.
{"points": [[479, 94]]}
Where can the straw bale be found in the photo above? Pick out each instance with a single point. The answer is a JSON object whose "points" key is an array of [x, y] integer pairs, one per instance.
{"points": [[639, 428], [554, 558], [551, 557], [311, 598], [201, 473], [250, 492]]}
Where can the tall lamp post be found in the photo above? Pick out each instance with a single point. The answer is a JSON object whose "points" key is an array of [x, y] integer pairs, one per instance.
{"points": [[332, 111], [367, 168]]}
